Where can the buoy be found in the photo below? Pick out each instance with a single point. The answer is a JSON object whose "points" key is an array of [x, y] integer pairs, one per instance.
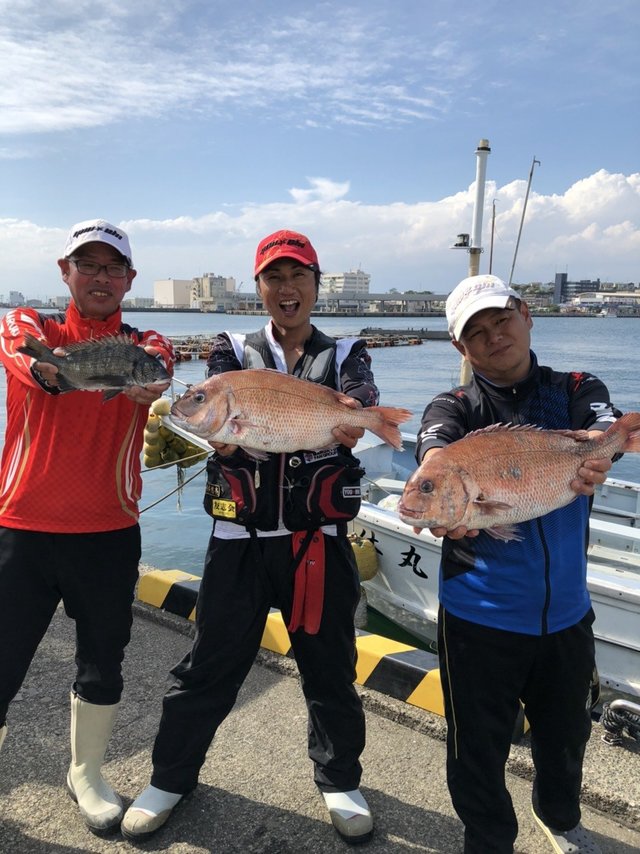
{"points": [[162, 446], [366, 557]]}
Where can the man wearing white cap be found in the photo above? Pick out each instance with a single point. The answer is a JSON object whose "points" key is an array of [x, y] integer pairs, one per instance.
{"points": [[69, 489], [515, 617]]}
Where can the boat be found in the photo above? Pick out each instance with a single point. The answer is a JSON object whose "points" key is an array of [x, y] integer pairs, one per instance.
{"points": [[405, 586]]}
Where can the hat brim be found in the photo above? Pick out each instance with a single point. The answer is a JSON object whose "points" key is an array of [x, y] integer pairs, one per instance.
{"points": [[489, 301], [288, 254], [98, 238]]}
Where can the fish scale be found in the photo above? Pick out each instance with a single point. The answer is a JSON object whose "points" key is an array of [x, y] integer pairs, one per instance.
{"points": [[269, 411], [109, 364], [494, 478]]}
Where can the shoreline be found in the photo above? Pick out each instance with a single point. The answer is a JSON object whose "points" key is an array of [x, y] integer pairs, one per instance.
{"points": [[374, 315]]}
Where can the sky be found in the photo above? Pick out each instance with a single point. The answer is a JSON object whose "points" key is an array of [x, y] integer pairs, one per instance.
{"points": [[200, 126]]}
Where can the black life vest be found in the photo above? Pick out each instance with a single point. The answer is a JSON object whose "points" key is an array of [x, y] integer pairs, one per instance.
{"points": [[307, 489]]}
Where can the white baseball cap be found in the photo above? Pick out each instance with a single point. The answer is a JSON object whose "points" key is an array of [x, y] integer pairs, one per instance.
{"points": [[98, 230], [473, 295]]}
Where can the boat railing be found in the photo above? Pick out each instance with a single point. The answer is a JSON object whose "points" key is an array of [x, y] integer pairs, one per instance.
{"points": [[622, 537]]}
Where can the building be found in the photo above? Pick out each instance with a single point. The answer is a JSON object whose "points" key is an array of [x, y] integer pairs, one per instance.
{"points": [[137, 302], [16, 298], [353, 283], [565, 291], [172, 293], [211, 292], [208, 292]]}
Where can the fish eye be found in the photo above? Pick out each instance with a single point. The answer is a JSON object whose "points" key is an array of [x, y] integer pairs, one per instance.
{"points": [[426, 487], [199, 397]]}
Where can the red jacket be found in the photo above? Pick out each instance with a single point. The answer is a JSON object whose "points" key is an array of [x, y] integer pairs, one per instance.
{"points": [[70, 463]]}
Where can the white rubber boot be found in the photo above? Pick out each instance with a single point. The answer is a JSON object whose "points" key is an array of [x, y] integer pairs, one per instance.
{"points": [[91, 726], [148, 813], [350, 815], [3, 734]]}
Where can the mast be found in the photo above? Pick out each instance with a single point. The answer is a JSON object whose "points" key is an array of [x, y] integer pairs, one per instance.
{"points": [[475, 248], [482, 152], [524, 208], [493, 228]]}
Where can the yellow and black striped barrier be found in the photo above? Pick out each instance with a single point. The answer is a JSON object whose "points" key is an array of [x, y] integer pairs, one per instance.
{"points": [[384, 665]]}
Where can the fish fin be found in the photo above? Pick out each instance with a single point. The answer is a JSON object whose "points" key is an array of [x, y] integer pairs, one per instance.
{"points": [[255, 454], [239, 424], [64, 384], [632, 445], [35, 348], [110, 393], [387, 429], [488, 505], [502, 427], [506, 533], [99, 343], [628, 424]]}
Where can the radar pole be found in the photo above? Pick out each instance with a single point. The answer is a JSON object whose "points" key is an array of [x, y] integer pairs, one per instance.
{"points": [[475, 248], [482, 152]]}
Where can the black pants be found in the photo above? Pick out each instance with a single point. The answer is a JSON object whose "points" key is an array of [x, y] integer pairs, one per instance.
{"points": [[95, 576], [233, 603], [485, 672]]}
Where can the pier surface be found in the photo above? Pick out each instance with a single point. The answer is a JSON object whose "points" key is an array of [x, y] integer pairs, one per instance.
{"points": [[256, 792]]}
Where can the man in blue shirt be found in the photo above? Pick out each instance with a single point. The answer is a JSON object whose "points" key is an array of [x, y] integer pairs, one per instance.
{"points": [[515, 617]]}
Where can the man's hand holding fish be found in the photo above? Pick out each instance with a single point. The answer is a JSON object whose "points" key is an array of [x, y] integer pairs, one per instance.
{"points": [[591, 473]]}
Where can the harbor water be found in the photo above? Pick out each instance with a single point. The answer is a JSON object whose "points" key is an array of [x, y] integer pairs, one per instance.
{"points": [[175, 529]]}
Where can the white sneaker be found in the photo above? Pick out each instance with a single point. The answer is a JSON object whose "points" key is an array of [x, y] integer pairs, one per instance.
{"points": [[350, 815], [578, 840], [148, 813]]}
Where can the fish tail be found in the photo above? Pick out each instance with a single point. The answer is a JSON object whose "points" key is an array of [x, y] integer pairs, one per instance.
{"points": [[629, 424], [386, 425], [632, 443], [34, 348]]}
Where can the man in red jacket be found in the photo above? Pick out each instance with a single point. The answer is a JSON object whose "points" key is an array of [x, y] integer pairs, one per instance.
{"points": [[69, 489]]}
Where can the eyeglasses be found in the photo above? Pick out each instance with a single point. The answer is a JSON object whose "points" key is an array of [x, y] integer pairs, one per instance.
{"points": [[92, 268]]}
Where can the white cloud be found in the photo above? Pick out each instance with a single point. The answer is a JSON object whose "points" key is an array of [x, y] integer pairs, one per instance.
{"points": [[406, 246]]}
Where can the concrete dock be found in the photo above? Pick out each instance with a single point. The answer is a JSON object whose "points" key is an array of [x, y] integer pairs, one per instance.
{"points": [[256, 792]]}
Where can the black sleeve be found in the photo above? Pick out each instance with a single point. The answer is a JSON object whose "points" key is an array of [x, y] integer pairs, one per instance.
{"points": [[444, 420], [222, 356], [356, 376], [590, 404]]}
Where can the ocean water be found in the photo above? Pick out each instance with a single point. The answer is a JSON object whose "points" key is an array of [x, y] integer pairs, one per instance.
{"points": [[175, 533]]}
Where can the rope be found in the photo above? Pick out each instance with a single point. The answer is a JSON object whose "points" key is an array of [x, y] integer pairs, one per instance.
{"points": [[173, 491], [614, 721]]}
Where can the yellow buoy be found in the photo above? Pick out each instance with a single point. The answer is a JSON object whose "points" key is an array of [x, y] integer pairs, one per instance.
{"points": [[161, 406], [366, 557]]}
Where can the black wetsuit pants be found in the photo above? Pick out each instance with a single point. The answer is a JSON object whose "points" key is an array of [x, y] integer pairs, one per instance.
{"points": [[95, 576], [241, 582], [485, 672]]}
